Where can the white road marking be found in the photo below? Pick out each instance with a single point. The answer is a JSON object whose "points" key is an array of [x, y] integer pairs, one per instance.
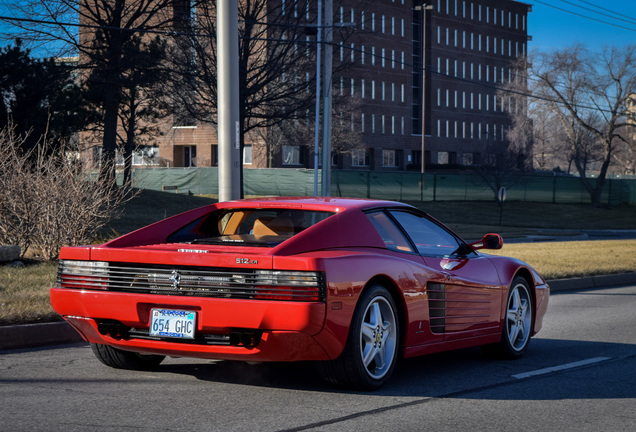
{"points": [[561, 367]]}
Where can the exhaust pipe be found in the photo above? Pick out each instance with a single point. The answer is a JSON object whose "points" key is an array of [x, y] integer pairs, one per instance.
{"points": [[244, 339], [235, 339], [114, 329]]}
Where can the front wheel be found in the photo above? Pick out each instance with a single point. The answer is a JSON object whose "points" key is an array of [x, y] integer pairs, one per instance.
{"points": [[121, 359], [518, 322], [371, 351]]}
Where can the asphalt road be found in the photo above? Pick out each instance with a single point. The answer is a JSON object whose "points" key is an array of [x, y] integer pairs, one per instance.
{"points": [[579, 375]]}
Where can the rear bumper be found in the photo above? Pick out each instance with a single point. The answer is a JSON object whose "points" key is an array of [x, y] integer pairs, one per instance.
{"points": [[286, 330]]}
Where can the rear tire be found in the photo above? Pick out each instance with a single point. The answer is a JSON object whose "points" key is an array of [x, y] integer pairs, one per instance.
{"points": [[121, 359], [518, 322], [372, 347]]}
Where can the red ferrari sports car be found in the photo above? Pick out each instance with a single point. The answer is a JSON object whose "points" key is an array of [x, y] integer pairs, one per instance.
{"points": [[351, 284]]}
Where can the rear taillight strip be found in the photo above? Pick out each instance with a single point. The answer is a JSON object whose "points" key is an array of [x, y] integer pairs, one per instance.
{"points": [[223, 283]]}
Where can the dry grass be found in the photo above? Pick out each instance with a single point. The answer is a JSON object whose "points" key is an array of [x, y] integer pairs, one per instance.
{"points": [[556, 260], [24, 293]]}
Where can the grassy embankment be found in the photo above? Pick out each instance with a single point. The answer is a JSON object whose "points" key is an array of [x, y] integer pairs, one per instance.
{"points": [[24, 291]]}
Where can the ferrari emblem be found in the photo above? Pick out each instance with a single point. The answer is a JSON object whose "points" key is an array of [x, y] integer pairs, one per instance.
{"points": [[175, 278]]}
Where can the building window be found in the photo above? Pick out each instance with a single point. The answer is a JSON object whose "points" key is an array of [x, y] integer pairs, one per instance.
{"points": [[292, 155], [247, 155], [442, 158], [360, 157], [388, 159], [189, 156]]}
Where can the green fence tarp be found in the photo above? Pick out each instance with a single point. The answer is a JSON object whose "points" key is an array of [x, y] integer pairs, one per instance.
{"points": [[398, 186]]}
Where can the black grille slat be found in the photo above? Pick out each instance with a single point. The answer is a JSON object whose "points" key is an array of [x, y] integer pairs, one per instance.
{"points": [[193, 281]]}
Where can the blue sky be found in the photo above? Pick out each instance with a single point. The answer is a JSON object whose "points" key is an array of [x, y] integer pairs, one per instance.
{"points": [[553, 28]]}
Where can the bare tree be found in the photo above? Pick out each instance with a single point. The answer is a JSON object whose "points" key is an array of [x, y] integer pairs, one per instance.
{"points": [[300, 130], [107, 29], [587, 94], [274, 59], [276, 65]]}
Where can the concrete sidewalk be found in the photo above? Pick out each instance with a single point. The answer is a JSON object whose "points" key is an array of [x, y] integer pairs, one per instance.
{"points": [[55, 333]]}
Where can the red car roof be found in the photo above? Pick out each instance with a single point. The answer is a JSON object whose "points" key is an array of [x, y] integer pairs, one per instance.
{"points": [[322, 203]]}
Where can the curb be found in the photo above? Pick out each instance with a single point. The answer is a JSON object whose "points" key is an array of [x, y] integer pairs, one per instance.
{"points": [[56, 333], [600, 281], [34, 335]]}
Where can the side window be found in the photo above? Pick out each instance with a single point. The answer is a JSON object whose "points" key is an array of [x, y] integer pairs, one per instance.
{"points": [[393, 238], [429, 238]]}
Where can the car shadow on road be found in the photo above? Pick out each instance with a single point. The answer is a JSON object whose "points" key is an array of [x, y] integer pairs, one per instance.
{"points": [[466, 373]]}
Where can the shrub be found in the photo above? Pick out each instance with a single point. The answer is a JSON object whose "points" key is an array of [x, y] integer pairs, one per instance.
{"points": [[47, 201]]}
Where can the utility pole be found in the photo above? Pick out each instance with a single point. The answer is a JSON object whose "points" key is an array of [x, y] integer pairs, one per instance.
{"points": [[229, 126], [318, 77], [327, 87]]}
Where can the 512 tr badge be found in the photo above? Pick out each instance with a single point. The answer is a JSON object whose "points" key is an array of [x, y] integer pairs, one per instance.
{"points": [[246, 261]]}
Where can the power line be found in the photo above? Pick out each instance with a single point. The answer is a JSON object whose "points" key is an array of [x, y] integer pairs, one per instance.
{"points": [[585, 16], [629, 21], [608, 10]]}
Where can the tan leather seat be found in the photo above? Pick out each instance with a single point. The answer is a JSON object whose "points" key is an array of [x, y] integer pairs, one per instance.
{"points": [[275, 227]]}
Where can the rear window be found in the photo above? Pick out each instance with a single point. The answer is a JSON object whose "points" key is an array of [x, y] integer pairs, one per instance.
{"points": [[249, 227]]}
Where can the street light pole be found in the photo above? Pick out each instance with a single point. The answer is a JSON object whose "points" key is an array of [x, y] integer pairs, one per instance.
{"points": [[326, 106], [229, 129]]}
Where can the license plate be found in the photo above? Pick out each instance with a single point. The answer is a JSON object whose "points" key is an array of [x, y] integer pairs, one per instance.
{"points": [[172, 323]]}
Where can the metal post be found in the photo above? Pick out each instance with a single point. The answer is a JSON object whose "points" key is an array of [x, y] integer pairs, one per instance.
{"points": [[229, 127], [317, 131], [327, 87], [425, 8]]}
